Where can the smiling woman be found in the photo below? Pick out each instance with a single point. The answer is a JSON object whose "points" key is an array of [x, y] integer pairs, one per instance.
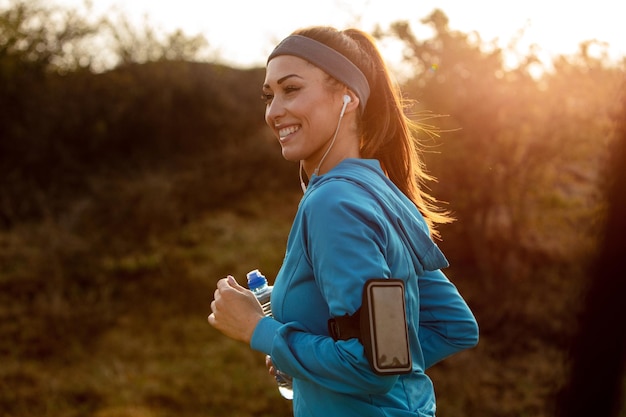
{"points": [[364, 218]]}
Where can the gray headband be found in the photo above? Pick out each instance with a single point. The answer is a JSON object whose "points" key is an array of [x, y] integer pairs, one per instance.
{"points": [[328, 60]]}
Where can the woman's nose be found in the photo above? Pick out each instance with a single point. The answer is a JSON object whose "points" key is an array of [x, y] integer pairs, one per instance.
{"points": [[274, 111]]}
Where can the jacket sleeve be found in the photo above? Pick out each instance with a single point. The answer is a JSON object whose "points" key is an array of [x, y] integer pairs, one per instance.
{"points": [[446, 324], [339, 366], [343, 245]]}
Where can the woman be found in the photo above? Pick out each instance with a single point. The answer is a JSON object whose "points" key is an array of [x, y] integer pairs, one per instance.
{"points": [[331, 103]]}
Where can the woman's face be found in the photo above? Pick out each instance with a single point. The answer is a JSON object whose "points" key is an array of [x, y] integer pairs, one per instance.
{"points": [[301, 109]]}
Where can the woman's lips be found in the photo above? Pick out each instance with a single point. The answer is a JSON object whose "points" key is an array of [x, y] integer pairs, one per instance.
{"points": [[284, 132]]}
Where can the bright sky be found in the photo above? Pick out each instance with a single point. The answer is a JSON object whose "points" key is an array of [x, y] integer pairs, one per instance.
{"points": [[243, 32]]}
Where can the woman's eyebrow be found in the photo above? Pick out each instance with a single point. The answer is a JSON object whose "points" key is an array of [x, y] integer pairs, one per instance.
{"points": [[283, 79]]}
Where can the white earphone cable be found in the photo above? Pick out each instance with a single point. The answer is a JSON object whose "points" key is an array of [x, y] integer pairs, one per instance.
{"points": [[346, 100]]}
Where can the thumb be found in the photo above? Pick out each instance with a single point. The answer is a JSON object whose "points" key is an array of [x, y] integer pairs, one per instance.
{"points": [[233, 282]]}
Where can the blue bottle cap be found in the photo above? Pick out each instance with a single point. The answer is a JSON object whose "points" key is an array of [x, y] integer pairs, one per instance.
{"points": [[255, 279]]}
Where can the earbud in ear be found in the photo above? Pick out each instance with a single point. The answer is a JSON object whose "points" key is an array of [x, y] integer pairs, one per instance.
{"points": [[346, 99]]}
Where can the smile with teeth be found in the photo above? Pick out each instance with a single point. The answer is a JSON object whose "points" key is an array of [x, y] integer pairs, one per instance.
{"points": [[288, 131]]}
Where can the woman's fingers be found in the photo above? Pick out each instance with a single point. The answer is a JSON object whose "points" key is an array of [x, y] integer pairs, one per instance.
{"points": [[235, 310], [270, 365]]}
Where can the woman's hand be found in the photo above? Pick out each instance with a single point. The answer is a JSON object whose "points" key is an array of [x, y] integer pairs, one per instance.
{"points": [[235, 310], [270, 365]]}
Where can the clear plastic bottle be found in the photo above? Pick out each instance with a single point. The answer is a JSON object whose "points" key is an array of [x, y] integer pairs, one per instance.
{"points": [[257, 283]]}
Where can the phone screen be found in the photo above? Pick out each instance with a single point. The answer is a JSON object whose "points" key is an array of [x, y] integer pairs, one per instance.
{"points": [[391, 345]]}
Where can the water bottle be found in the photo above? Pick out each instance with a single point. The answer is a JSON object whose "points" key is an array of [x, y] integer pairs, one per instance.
{"points": [[257, 283]]}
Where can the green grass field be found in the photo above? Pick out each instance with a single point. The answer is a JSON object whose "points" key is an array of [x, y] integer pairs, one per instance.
{"points": [[94, 326], [128, 336]]}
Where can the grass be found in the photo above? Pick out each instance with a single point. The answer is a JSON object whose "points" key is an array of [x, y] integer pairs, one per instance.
{"points": [[128, 335], [115, 328]]}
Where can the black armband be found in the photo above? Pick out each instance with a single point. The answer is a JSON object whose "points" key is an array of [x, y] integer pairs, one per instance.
{"points": [[380, 325]]}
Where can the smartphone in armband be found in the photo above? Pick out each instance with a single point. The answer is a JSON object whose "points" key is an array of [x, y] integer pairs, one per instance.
{"points": [[384, 331]]}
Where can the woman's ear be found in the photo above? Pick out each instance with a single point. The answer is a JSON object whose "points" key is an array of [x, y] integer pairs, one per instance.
{"points": [[350, 101]]}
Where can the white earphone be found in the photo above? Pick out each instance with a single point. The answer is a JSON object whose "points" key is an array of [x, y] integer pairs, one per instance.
{"points": [[346, 99]]}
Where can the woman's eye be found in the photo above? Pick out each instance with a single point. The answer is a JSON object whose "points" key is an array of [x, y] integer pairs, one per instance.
{"points": [[290, 89], [267, 98]]}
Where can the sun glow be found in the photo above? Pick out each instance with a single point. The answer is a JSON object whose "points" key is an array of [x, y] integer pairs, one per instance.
{"points": [[242, 33]]}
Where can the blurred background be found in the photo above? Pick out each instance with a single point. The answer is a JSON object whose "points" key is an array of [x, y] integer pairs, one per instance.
{"points": [[136, 170]]}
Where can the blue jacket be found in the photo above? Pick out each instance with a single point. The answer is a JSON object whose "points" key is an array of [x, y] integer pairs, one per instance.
{"points": [[354, 224]]}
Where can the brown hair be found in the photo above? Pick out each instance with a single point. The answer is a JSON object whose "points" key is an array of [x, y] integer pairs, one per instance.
{"points": [[387, 133]]}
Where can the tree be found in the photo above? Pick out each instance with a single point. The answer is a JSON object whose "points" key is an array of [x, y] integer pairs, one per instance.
{"points": [[509, 137]]}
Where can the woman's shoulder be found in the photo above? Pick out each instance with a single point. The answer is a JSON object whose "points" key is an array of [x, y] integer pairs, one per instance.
{"points": [[340, 201], [336, 190], [352, 175]]}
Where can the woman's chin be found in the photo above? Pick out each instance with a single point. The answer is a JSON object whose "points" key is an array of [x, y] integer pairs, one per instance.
{"points": [[290, 156]]}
